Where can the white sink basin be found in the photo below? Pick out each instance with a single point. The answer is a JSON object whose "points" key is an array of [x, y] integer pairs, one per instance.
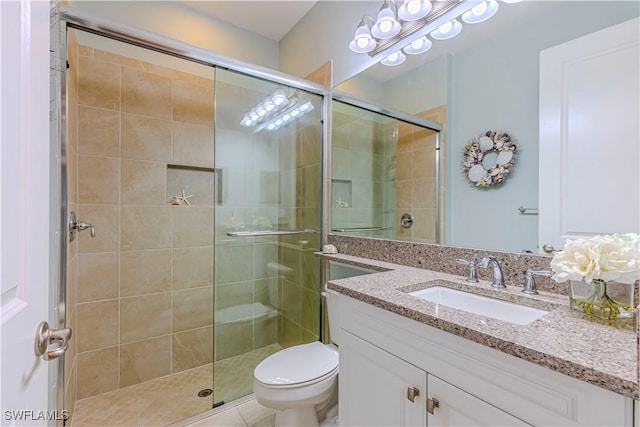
{"points": [[481, 305]]}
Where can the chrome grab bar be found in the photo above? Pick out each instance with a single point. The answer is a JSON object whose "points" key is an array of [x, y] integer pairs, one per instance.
{"points": [[269, 232], [343, 230]]}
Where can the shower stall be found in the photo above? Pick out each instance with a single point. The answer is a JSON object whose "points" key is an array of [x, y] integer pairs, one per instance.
{"points": [[196, 189]]}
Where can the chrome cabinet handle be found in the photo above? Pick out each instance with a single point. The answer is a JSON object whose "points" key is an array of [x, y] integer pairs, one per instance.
{"points": [[432, 404], [412, 393], [549, 248], [46, 337]]}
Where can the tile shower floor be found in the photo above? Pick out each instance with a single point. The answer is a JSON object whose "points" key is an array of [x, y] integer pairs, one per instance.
{"points": [[167, 400]]}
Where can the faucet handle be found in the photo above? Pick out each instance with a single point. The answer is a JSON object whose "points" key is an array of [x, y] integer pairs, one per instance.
{"points": [[473, 277], [530, 282]]}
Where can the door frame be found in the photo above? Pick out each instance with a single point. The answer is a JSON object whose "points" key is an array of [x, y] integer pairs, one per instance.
{"points": [[60, 193]]}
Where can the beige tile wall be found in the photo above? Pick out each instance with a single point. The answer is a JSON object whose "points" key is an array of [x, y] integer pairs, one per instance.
{"points": [[145, 283], [416, 177]]}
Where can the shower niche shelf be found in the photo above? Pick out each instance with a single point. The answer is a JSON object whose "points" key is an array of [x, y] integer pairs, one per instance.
{"points": [[341, 193], [202, 186]]}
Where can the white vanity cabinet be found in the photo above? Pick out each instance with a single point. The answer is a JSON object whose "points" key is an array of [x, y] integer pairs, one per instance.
{"points": [[379, 389], [387, 360]]}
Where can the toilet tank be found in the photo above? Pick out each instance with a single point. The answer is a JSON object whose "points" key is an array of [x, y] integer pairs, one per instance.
{"points": [[333, 313], [338, 271]]}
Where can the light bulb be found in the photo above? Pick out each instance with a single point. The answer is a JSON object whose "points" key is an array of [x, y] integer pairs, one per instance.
{"points": [[385, 26], [269, 106], [261, 112], [296, 113], [446, 27], [394, 59], [362, 42], [447, 30], [479, 9], [413, 6], [481, 12], [279, 97], [306, 106]]}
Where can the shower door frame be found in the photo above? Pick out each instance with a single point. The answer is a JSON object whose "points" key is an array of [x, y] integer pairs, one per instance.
{"points": [[69, 18], [407, 118]]}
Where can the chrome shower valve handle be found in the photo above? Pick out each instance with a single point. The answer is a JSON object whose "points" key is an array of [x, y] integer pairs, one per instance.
{"points": [[75, 226]]}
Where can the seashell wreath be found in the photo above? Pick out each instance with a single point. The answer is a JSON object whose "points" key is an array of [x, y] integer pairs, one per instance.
{"points": [[479, 146]]}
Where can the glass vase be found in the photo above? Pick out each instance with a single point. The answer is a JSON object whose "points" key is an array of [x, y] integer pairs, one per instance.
{"points": [[605, 300]]}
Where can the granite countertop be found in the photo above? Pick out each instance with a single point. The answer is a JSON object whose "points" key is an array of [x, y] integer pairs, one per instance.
{"points": [[564, 340]]}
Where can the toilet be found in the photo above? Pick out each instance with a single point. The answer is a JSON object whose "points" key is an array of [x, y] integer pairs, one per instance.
{"points": [[301, 382]]}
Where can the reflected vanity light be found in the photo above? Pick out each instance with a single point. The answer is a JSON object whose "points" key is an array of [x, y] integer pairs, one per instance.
{"points": [[287, 116], [407, 23], [269, 107]]}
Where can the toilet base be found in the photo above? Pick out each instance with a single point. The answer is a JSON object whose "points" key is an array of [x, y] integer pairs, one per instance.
{"points": [[297, 417]]}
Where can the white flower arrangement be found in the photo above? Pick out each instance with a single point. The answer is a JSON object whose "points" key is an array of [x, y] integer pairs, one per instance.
{"points": [[600, 258]]}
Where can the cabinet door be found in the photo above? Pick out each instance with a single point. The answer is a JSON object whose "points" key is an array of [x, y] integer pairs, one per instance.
{"points": [[459, 408], [376, 387]]}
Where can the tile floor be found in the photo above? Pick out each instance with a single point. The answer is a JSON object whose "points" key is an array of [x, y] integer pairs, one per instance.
{"points": [[249, 413], [167, 400]]}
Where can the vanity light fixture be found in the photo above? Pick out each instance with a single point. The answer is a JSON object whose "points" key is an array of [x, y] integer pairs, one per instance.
{"points": [[405, 26]]}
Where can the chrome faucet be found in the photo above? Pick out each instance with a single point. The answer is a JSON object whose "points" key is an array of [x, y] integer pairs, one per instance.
{"points": [[498, 279]]}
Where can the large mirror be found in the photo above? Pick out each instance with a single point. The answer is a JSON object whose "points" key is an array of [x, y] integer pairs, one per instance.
{"points": [[485, 79]]}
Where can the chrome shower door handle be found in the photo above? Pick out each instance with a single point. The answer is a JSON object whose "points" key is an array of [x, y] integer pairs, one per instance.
{"points": [[46, 337]]}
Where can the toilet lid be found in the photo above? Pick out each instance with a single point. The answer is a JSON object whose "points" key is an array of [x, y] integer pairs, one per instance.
{"points": [[297, 364]]}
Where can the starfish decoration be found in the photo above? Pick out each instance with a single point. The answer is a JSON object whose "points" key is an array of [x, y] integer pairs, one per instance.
{"points": [[341, 204], [180, 200]]}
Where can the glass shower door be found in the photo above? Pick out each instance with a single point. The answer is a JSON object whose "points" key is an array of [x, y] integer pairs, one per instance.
{"points": [[267, 225]]}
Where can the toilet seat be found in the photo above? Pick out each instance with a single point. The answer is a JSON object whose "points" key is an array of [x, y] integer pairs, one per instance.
{"points": [[298, 366]]}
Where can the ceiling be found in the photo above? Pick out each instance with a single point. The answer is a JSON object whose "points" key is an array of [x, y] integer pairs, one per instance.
{"points": [[270, 19]]}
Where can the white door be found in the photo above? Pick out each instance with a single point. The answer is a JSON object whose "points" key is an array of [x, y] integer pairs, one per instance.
{"points": [[589, 178], [25, 271], [377, 388]]}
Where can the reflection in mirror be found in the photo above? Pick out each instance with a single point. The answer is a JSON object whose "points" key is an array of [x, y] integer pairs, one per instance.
{"points": [[488, 77], [383, 168]]}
